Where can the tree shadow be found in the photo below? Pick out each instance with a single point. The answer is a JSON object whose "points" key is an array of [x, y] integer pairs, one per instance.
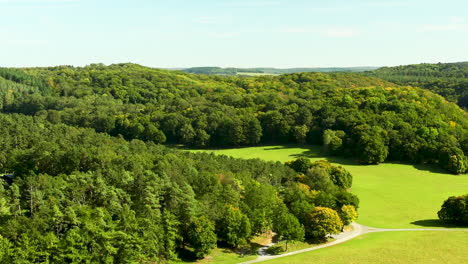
{"points": [[186, 255], [275, 148], [431, 168], [333, 159], [254, 247], [435, 223], [316, 151], [286, 146]]}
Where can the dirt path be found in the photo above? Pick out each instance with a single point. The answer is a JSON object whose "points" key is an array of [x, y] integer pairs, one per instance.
{"points": [[345, 236]]}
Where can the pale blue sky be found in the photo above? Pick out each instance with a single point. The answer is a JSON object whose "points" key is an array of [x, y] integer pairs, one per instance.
{"points": [[273, 33]]}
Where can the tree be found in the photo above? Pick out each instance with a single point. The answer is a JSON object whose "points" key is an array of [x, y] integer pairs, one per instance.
{"points": [[288, 227], [322, 221], [319, 179], [453, 160], [333, 141], [300, 133], [6, 251], [371, 146], [152, 133], [348, 214], [259, 205], [341, 177], [300, 165], [455, 210], [235, 227], [252, 130], [201, 236]]}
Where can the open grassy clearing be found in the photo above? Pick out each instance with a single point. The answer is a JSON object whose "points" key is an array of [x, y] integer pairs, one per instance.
{"points": [[424, 247], [221, 256], [392, 195]]}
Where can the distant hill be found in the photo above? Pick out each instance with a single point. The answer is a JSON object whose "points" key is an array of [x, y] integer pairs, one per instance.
{"points": [[351, 114], [447, 79], [270, 71]]}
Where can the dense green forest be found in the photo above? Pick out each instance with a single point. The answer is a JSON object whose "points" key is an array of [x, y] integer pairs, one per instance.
{"points": [[447, 79], [87, 181], [77, 196], [350, 114], [240, 71]]}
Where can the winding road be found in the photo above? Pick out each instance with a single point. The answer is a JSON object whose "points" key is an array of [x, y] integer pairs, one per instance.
{"points": [[342, 237]]}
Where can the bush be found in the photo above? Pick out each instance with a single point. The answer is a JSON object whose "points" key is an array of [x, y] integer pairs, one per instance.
{"points": [[455, 210], [348, 214], [275, 250]]}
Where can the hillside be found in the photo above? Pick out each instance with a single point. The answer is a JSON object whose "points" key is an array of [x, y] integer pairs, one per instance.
{"points": [[77, 196], [352, 115], [447, 79]]}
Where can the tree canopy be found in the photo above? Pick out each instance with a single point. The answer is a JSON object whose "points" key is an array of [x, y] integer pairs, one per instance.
{"points": [[366, 118]]}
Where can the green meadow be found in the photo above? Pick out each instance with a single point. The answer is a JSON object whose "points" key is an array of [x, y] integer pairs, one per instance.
{"points": [[392, 195], [220, 256], [415, 247]]}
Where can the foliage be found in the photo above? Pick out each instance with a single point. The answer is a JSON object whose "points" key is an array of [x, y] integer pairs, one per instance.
{"points": [[387, 190], [323, 221], [301, 165], [348, 214], [82, 196], [446, 79], [352, 115], [201, 235], [321, 175], [333, 141], [288, 227], [235, 227], [275, 250], [453, 159], [455, 210]]}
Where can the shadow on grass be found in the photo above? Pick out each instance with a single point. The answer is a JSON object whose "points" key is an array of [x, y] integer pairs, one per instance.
{"points": [[435, 223], [254, 247], [186, 255], [431, 168], [319, 154], [314, 152]]}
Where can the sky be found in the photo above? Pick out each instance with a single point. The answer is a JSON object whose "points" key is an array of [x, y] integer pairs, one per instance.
{"points": [[232, 33]]}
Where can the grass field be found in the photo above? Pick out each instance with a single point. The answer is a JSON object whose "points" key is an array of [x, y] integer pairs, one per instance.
{"points": [[392, 195], [422, 247], [220, 256]]}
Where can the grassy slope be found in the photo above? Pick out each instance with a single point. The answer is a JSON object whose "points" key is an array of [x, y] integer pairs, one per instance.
{"points": [[392, 195], [221, 256], [424, 247]]}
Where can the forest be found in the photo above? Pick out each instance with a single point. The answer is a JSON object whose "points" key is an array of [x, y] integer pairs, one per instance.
{"points": [[351, 115], [447, 79], [77, 196], [87, 178]]}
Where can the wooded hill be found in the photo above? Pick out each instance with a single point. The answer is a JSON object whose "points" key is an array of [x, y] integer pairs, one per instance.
{"points": [[78, 196], [273, 71], [447, 79], [87, 182], [352, 115]]}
